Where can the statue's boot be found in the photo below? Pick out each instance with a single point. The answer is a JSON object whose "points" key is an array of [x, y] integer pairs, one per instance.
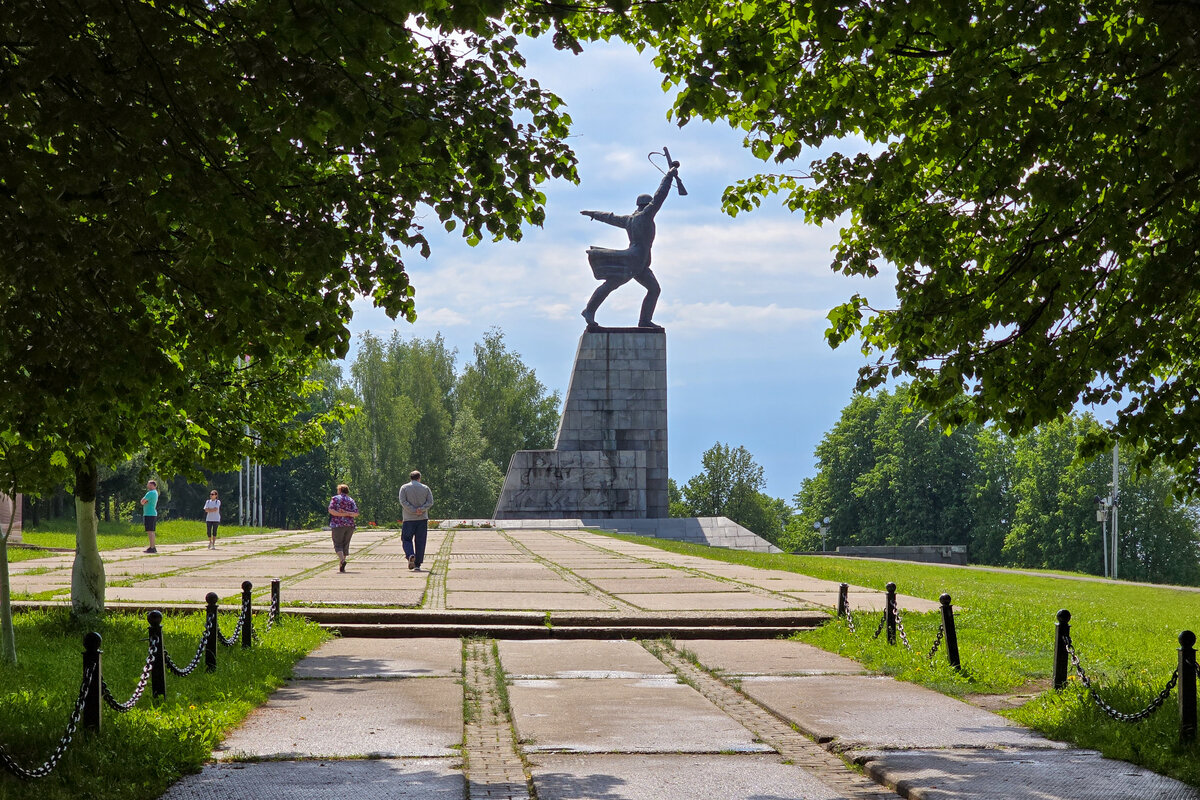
{"points": [[648, 324]]}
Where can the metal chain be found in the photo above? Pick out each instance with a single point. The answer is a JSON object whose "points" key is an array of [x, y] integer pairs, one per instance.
{"points": [[121, 708], [1119, 716], [879, 627], [900, 626], [272, 614], [63, 743], [237, 631], [937, 641], [850, 618], [183, 673]]}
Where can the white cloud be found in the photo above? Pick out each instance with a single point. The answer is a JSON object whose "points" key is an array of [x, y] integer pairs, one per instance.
{"points": [[697, 318]]}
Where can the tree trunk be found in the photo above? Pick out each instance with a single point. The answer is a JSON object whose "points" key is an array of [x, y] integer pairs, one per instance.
{"points": [[87, 574], [8, 639]]}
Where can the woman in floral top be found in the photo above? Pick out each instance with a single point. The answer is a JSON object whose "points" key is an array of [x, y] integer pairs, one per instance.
{"points": [[342, 511]]}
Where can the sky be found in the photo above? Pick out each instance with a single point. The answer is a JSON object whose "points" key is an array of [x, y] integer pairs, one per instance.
{"points": [[744, 299]]}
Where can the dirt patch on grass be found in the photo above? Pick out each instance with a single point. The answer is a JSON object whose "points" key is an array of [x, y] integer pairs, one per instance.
{"points": [[1007, 702]]}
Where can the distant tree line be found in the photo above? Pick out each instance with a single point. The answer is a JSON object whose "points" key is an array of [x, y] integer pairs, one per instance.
{"points": [[404, 404], [731, 485], [888, 474]]}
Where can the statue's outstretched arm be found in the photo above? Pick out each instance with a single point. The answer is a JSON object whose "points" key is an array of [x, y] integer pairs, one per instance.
{"points": [[619, 220]]}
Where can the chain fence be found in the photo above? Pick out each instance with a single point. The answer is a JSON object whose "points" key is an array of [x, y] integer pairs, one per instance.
{"points": [[121, 708], [64, 741], [944, 636], [156, 654], [1107, 708], [183, 672]]}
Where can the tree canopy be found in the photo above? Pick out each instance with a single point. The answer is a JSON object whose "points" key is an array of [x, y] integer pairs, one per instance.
{"points": [[186, 183], [730, 485], [886, 477], [1029, 170]]}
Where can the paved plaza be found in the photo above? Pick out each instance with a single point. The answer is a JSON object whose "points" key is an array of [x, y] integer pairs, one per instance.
{"points": [[548, 678], [485, 570]]}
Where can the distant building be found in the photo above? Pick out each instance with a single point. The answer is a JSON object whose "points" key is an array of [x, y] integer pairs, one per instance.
{"points": [[7, 510]]}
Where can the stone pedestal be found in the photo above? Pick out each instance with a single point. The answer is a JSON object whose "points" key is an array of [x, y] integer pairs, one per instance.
{"points": [[610, 456]]}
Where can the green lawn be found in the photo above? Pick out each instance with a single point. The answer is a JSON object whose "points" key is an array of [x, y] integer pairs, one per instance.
{"points": [[136, 755], [115, 535], [1126, 636]]}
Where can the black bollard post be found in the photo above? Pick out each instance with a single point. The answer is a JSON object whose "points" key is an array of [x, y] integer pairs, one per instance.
{"points": [[843, 598], [948, 632], [890, 613], [158, 667], [275, 595], [247, 619], [91, 662], [1187, 687], [210, 624], [1062, 632]]}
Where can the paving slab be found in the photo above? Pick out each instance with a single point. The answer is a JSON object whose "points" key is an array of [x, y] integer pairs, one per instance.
{"points": [[768, 657], [708, 601], [355, 597], [665, 585], [990, 774], [558, 658], [794, 583], [522, 601], [487, 583], [630, 570], [144, 594], [52, 562], [622, 716], [435, 779], [876, 712], [329, 719], [501, 571], [673, 777], [357, 578], [383, 658], [39, 583]]}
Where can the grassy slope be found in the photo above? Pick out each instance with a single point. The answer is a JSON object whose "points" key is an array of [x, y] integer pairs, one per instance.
{"points": [[138, 754], [1126, 636]]}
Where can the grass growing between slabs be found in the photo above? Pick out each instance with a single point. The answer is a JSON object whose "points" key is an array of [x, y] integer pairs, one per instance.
{"points": [[115, 535], [1126, 636], [136, 755]]}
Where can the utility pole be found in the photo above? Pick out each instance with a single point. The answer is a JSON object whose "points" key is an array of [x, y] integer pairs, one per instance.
{"points": [[1115, 498]]}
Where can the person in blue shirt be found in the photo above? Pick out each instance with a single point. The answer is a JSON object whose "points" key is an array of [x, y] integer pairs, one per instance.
{"points": [[150, 512]]}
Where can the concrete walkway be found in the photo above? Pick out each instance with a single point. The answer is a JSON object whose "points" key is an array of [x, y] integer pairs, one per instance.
{"points": [[594, 715]]}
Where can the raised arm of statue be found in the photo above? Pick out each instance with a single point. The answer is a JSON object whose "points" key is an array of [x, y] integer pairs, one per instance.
{"points": [[661, 193]]}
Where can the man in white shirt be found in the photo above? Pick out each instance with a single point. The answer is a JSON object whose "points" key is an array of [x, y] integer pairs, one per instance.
{"points": [[415, 500]]}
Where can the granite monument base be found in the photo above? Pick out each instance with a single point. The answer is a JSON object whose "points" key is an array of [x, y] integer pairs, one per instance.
{"points": [[610, 455]]}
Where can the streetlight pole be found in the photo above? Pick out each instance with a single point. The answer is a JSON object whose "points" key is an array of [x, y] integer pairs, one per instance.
{"points": [[1102, 518], [822, 527]]}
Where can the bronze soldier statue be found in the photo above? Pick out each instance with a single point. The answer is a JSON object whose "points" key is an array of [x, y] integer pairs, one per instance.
{"points": [[618, 267]]}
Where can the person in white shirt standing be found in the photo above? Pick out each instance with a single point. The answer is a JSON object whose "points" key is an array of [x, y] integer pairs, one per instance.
{"points": [[415, 500], [212, 518]]}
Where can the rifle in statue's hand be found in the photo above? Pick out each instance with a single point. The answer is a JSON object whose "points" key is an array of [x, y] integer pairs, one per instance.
{"points": [[675, 165]]}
